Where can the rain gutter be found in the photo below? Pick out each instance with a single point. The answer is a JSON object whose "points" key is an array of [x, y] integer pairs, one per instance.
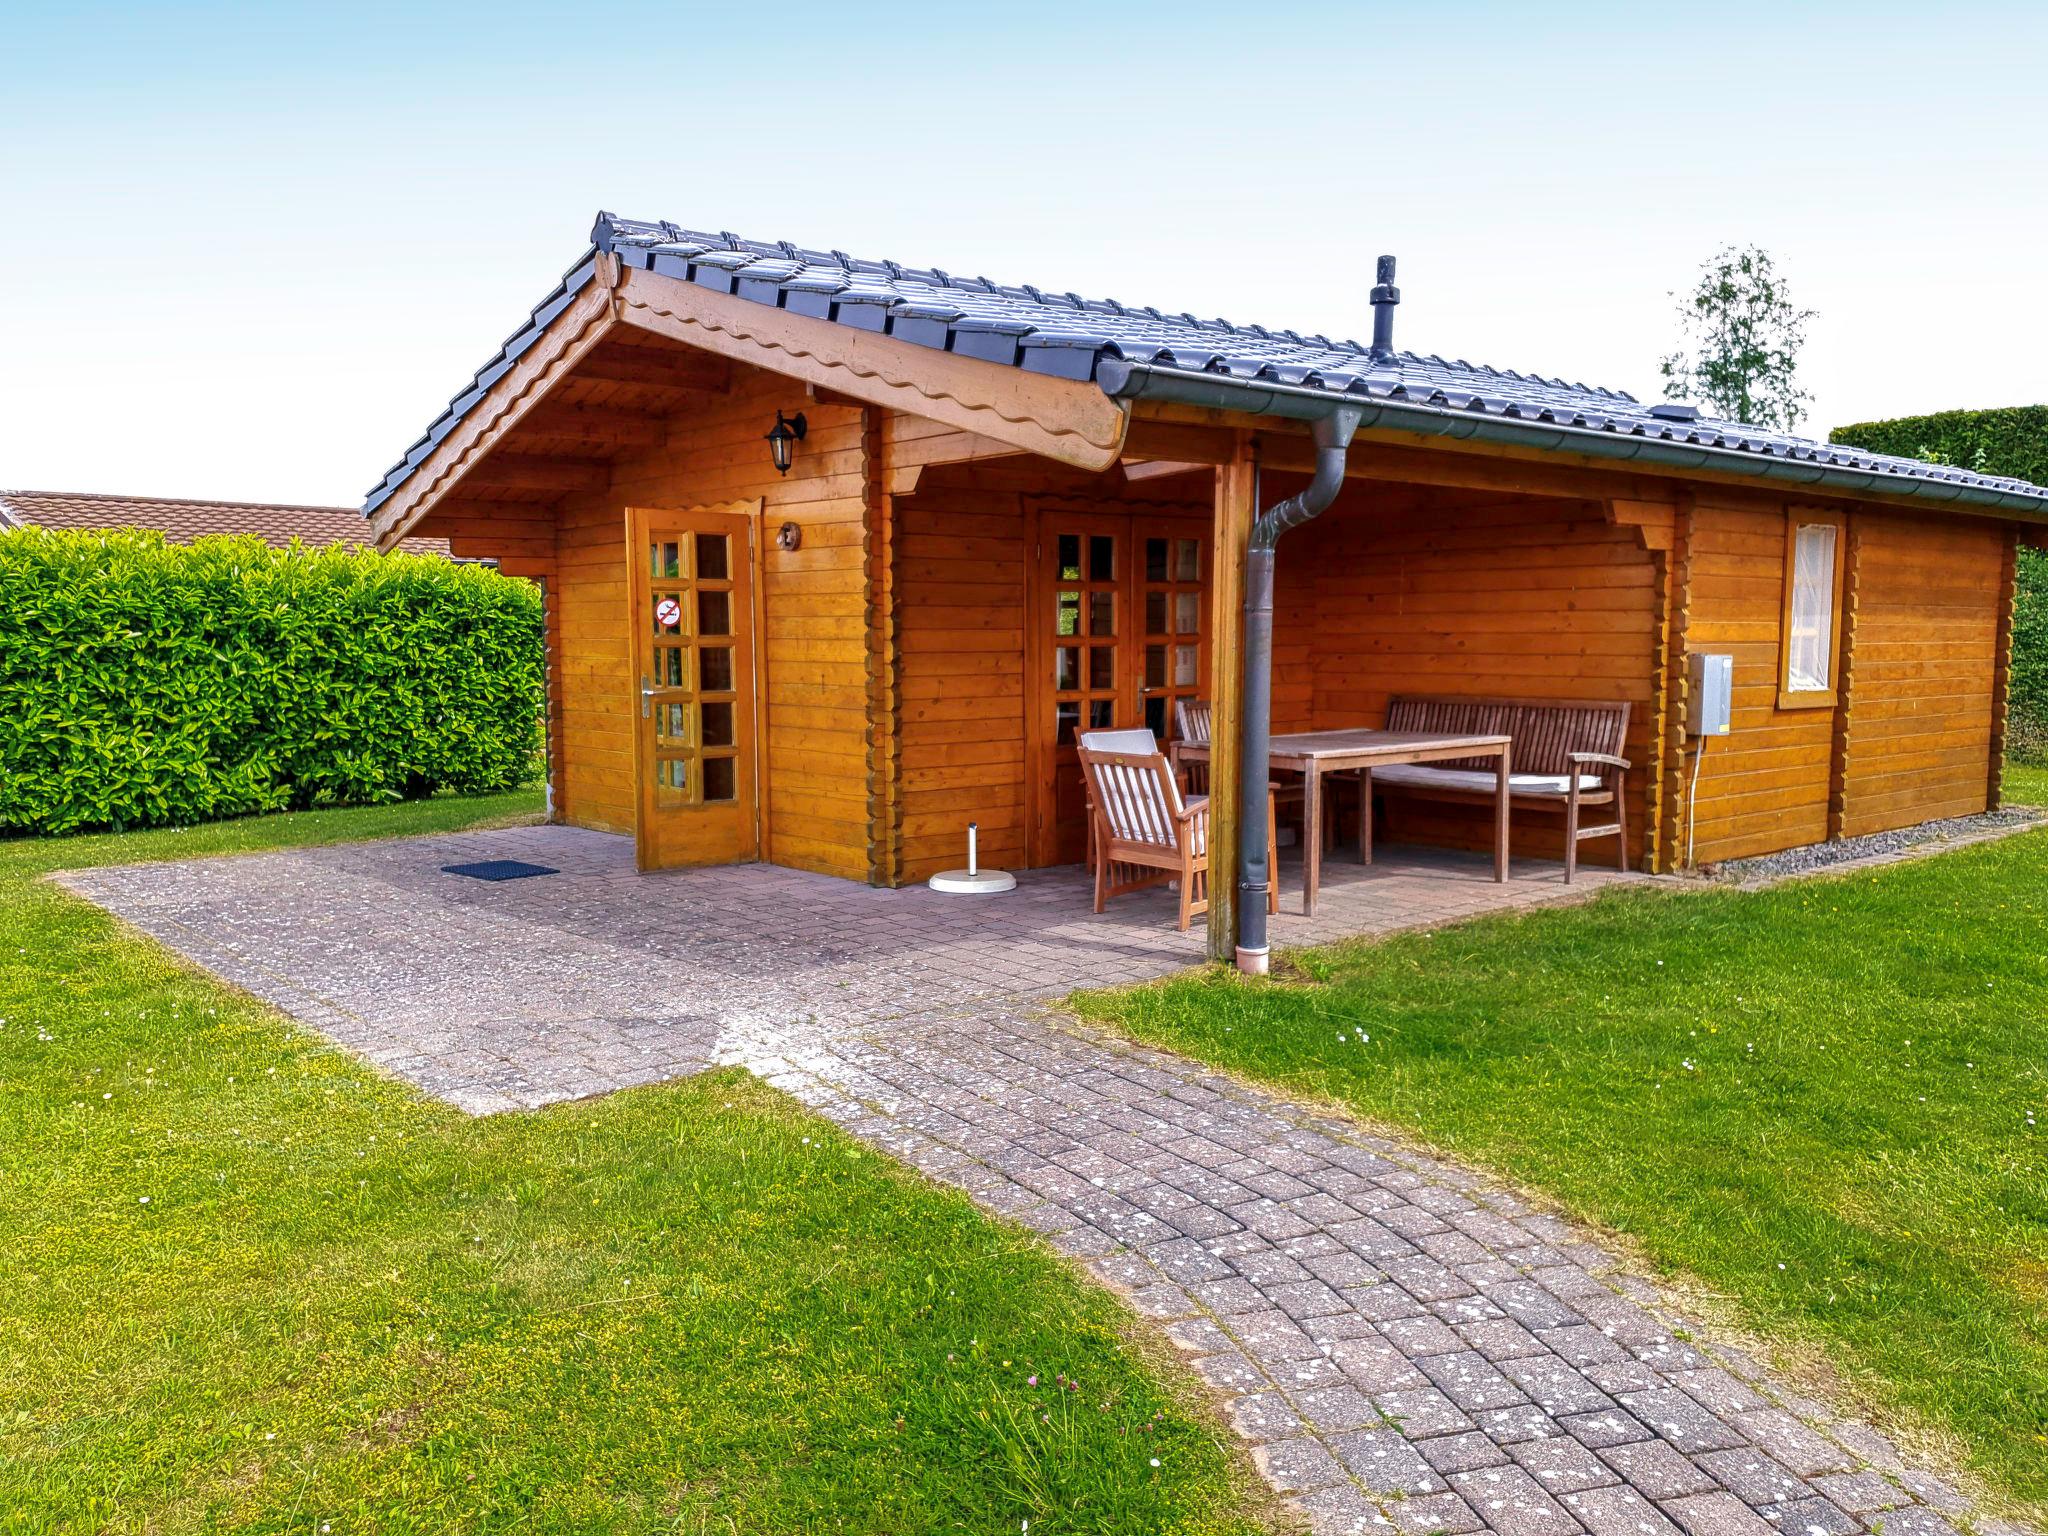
{"points": [[1126, 380]]}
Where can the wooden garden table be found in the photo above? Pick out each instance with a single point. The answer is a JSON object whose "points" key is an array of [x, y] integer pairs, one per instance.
{"points": [[1313, 754]]}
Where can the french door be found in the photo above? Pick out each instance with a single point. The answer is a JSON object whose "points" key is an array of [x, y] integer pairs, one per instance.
{"points": [[694, 731], [1118, 634]]}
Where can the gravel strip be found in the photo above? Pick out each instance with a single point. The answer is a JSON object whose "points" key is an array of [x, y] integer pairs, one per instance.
{"points": [[1878, 847]]}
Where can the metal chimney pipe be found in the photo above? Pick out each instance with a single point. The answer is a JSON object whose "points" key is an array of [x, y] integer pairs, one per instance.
{"points": [[1384, 297]]}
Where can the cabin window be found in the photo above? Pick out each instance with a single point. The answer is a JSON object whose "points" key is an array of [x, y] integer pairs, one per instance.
{"points": [[1813, 592]]}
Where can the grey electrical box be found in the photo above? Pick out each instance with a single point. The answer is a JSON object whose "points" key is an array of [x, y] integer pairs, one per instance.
{"points": [[1710, 701]]}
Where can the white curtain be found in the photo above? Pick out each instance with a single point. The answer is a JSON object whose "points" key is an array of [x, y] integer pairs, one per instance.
{"points": [[1813, 609]]}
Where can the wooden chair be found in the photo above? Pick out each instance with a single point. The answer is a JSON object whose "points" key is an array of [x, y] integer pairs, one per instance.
{"points": [[1136, 742], [1145, 832], [1191, 725], [1566, 755], [1191, 720]]}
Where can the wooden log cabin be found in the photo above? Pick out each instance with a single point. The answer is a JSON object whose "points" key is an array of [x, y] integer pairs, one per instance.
{"points": [[839, 555]]}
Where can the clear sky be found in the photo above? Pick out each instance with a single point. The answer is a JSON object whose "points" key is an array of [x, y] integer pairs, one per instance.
{"points": [[249, 250]]}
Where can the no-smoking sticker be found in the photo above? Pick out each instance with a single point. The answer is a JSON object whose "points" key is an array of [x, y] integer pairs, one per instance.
{"points": [[668, 613]]}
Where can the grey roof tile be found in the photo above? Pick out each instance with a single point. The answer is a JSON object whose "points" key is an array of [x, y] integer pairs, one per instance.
{"points": [[1070, 337]]}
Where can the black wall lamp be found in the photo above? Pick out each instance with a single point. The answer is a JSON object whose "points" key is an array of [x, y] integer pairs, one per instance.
{"points": [[783, 438]]}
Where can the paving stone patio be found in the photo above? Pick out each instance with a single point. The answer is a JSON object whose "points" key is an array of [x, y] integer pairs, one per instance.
{"points": [[1405, 1346]]}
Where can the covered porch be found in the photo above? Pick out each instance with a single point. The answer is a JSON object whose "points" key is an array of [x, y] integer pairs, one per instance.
{"points": [[1034, 603]]}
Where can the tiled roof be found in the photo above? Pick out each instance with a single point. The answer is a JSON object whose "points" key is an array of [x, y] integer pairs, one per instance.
{"points": [[1067, 336], [183, 521]]}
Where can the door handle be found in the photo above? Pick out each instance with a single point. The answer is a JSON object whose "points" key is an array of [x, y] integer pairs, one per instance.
{"points": [[647, 692]]}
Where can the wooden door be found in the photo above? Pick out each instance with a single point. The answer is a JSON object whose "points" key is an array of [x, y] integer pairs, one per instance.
{"points": [[697, 747], [1118, 626]]}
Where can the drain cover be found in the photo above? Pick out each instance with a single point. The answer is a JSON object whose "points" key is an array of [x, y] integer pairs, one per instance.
{"points": [[499, 869]]}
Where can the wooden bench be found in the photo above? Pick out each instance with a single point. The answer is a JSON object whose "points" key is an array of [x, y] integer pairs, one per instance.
{"points": [[1565, 755]]}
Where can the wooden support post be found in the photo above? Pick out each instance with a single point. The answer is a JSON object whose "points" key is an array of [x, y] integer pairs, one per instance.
{"points": [[1236, 487], [1673, 800], [1660, 722], [1842, 732], [884, 651]]}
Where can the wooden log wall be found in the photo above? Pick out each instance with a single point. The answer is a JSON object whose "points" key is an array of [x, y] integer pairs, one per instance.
{"points": [[1765, 786], [1910, 737], [815, 687], [961, 556], [1404, 590], [1924, 708]]}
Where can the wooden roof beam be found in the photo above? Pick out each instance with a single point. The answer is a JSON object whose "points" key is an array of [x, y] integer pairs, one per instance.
{"points": [[1155, 469], [1065, 419]]}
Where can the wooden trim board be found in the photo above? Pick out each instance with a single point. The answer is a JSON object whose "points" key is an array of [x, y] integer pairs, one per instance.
{"points": [[1063, 419]]}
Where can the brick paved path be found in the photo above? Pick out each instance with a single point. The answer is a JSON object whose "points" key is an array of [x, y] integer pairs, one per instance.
{"points": [[1406, 1347]]}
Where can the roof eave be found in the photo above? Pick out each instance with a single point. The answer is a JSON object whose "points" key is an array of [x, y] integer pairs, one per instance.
{"points": [[1125, 380]]}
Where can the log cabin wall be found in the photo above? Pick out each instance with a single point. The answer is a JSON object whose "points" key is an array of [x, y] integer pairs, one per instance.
{"points": [[1765, 786], [960, 578], [1910, 736], [814, 634], [592, 674], [1920, 716], [960, 563], [1407, 590]]}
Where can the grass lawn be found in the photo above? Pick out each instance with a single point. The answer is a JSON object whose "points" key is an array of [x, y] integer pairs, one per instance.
{"points": [[251, 1286], [2026, 786], [1827, 1102]]}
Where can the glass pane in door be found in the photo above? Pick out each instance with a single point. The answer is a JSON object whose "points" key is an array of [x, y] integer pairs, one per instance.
{"points": [[714, 613], [1175, 603], [721, 779], [716, 721]]}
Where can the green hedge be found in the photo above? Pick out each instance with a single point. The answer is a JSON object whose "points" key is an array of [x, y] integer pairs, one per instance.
{"points": [[152, 684], [2012, 441], [2026, 726]]}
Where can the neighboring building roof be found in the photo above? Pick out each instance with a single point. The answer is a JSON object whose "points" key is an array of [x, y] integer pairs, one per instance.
{"points": [[183, 521], [1246, 367]]}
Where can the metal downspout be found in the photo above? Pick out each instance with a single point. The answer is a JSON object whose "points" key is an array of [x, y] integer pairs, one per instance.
{"points": [[1332, 439]]}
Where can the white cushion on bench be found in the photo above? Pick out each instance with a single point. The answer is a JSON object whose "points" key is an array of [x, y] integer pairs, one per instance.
{"points": [[1481, 780]]}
